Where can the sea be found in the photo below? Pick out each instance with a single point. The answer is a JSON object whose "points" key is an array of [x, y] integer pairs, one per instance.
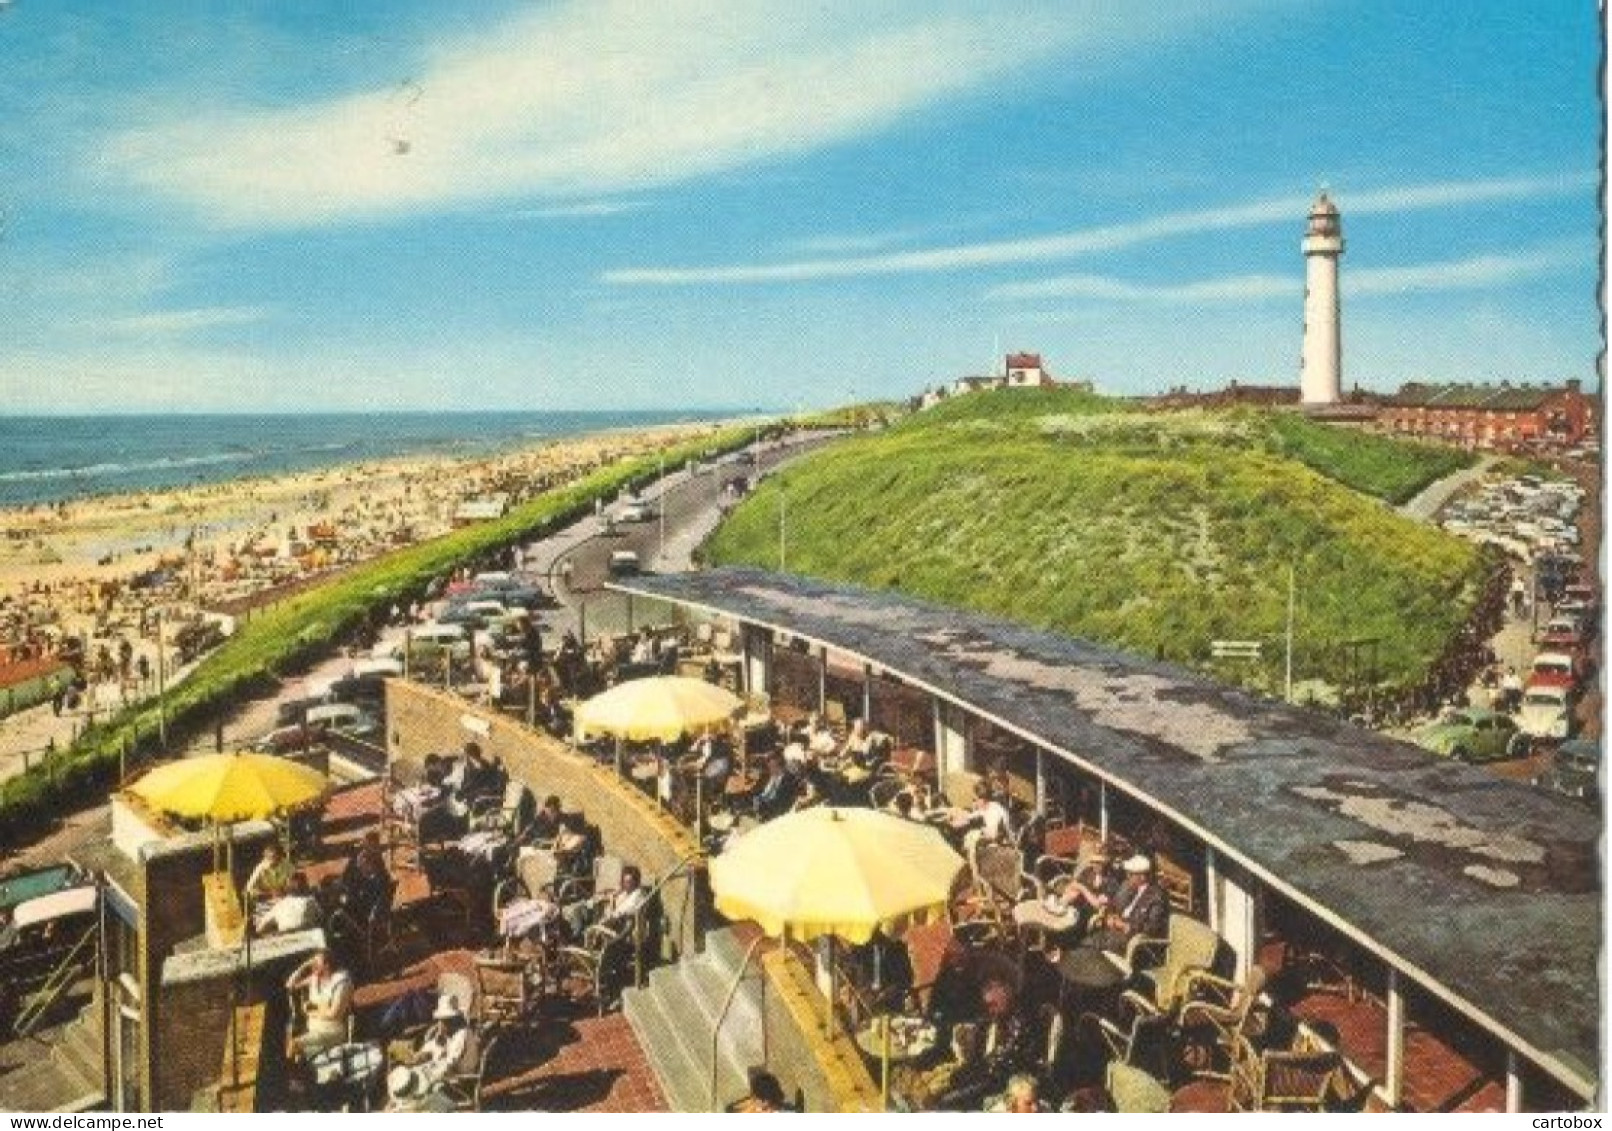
{"points": [[50, 459]]}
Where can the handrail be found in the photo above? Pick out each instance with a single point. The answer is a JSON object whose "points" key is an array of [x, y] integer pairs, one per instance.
{"points": [[722, 1016], [683, 867], [59, 979]]}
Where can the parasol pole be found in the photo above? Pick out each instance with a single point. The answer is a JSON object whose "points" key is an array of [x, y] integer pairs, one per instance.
{"points": [[884, 1062]]}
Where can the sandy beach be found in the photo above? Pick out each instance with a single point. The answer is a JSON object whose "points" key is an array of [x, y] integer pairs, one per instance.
{"points": [[103, 568]]}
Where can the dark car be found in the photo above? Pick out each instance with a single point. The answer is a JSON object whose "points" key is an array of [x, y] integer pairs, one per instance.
{"points": [[1574, 769]]}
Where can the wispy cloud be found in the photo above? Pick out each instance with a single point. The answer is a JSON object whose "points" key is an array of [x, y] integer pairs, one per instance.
{"points": [[1472, 273], [593, 97], [582, 209], [1109, 237], [173, 322], [1232, 288]]}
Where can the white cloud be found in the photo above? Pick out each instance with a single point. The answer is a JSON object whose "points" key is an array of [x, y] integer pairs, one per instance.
{"points": [[581, 209], [1239, 288], [1473, 273], [164, 322], [1109, 237], [595, 97]]}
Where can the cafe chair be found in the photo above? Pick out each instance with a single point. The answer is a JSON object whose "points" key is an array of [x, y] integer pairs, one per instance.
{"points": [[1292, 1080], [504, 990], [1216, 1013], [1189, 945], [510, 814], [1144, 1044], [465, 1089]]}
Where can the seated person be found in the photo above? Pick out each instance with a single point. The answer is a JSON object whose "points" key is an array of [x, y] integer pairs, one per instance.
{"points": [[998, 784], [546, 824], [711, 757], [1071, 905], [1005, 1046], [778, 794], [985, 821], [1139, 907], [326, 1002], [407, 1091], [436, 769], [447, 821], [296, 910], [766, 1095], [819, 739], [448, 1047], [366, 886], [611, 909], [1023, 1096], [270, 878], [480, 777], [576, 846]]}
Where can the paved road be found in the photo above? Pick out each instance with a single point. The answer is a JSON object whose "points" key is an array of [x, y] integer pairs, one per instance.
{"points": [[1433, 497], [578, 559]]}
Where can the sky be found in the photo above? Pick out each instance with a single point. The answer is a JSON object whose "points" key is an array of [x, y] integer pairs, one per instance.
{"points": [[576, 204]]}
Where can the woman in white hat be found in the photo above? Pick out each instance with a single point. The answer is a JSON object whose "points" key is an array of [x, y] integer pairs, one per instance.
{"points": [[447, 1049]]}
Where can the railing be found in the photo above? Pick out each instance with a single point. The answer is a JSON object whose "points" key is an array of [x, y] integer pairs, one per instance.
{"points": [[722, 1016], [56, 983]]}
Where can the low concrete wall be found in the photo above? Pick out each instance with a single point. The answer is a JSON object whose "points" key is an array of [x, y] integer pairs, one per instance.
{"points": [[422, 720]]}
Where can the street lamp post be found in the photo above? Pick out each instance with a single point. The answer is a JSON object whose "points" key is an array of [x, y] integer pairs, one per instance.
{"points": [[662, 509]]}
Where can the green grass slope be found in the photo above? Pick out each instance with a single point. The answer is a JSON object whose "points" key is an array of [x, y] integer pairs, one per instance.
{"points": [[1155, 532]]}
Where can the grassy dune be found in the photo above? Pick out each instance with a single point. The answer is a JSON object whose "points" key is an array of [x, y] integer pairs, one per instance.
{"points": [[1155, 532]]}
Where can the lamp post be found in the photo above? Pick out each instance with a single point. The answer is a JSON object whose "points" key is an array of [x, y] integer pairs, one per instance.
{"points": [[661, 559], [782, 523]]}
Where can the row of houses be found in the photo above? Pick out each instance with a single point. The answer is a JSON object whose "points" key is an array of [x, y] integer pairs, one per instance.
{"points": [[1493, 416]]}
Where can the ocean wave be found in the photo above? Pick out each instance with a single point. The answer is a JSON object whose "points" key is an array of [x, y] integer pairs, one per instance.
{"points": [[90, 471]]}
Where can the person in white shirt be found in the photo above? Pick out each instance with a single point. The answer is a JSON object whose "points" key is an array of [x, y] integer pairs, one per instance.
{"points": [[613, 909], [296, 910], [327, 1003], [986, 821], [448, 1047]]}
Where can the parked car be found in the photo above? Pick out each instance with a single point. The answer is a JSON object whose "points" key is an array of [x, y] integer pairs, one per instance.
{"points": [[344, 718], [1555, 669], [1574, 769], [1546, 712], [1468, 734]]}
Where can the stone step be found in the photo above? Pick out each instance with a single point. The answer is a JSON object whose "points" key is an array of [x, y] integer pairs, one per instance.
{"points": [[684, 1077], [674, 1016], [79, 1053], [45, 1087]]}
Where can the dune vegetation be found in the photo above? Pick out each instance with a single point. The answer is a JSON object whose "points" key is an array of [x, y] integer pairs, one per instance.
{"points": [[1155, 532]]}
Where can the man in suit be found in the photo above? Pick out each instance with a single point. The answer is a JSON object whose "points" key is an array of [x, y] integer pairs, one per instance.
{"points": [[1140, 907], [779, 792]]}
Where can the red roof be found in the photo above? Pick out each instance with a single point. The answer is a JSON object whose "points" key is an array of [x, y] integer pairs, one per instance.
{"points": [[1024, 361], [21, 671]]}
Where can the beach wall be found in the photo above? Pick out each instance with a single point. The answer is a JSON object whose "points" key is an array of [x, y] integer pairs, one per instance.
{"points": [[422, 720]]}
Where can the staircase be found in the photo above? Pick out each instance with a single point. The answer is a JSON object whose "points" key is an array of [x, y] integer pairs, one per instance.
{"points": [[676, 1012], [61, 1069]]}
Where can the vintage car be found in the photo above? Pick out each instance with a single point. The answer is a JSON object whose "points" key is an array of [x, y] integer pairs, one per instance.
{"points": [[1574, 770], [1546, 712], [1468, 734]]}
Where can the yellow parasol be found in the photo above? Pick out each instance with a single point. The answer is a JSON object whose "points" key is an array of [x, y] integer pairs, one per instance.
{"points": [[662, 708], [223, 788], [839, 872]]}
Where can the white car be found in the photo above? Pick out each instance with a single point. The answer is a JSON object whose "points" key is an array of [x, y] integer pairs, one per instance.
{"points": [[636, 512], [624, 562], [1545, 713]]}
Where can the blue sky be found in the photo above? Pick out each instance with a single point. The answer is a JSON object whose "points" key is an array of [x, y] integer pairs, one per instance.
{"points": [[614, 203]]}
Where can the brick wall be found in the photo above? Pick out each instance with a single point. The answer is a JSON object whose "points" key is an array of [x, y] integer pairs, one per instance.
{"points": [[422, 720], [170, 896]]}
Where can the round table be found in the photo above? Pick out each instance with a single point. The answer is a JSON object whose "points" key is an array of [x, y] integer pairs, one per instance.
{"points": [[910, 1038], [1085, 967]]}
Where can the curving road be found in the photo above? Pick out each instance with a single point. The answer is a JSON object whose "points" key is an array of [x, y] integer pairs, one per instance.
{"points": [[577, 560]]}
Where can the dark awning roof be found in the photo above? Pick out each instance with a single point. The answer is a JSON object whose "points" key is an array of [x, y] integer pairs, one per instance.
{"points": [[1485, 891]]}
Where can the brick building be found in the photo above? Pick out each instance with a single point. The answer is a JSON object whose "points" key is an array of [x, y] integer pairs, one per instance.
{"points": [[1492, 416]]}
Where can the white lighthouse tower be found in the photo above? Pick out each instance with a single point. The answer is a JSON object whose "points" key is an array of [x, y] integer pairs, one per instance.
{"points": [[1321, 375]]}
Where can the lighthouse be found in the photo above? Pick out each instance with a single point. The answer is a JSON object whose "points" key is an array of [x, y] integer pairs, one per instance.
{"points": [[1321, 375]]}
